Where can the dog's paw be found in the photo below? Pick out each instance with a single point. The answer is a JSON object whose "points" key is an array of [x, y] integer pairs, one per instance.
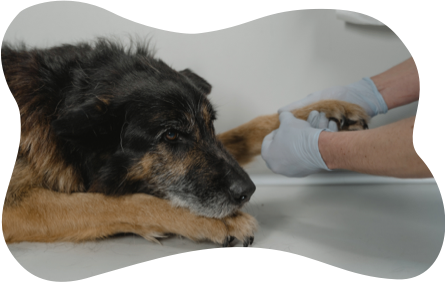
{"points": [[223, 231], [347, 116], [241, 226], [152, 218]]}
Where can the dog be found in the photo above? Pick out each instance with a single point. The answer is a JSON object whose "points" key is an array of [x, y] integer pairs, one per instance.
{"points": [[113, 140]]}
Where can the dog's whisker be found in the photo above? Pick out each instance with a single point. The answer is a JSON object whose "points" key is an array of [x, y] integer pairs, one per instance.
{"points": [[55, 110], [120, 136], [126, 176], [227, 173]]}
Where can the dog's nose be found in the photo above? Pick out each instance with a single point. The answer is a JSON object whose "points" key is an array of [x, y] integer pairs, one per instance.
{"points": [[241, 191]]}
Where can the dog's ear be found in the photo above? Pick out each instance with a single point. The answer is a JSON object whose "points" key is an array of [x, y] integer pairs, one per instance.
{"points": [[92, 118], [198, 81]]}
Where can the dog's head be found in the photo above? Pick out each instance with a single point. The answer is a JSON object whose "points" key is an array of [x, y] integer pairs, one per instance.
{"points": [[142, 127]]}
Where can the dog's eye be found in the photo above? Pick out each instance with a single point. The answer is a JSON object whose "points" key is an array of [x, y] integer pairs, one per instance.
{"points": [[171, 135]]}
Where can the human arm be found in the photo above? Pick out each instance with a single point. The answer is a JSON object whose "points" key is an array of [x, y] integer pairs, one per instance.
{"points": [[390, 89], [387, 150], [399, 85]]}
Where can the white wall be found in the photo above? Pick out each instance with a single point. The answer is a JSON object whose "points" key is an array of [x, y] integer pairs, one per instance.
{"points": [[254, 68]]}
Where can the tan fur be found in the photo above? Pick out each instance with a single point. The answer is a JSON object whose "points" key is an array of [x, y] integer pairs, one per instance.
{"points": [[205, 115], [48, 216], [37, 146], [142, 169], [33, 213], [245, 142], [44, 164]]}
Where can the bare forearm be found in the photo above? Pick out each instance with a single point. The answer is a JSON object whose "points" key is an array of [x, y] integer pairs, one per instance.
{"points": [[387, 150], [399, 85]]}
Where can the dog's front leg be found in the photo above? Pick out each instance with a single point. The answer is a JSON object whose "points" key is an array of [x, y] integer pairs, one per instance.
{"points": [[245, 142], [47, 216]]}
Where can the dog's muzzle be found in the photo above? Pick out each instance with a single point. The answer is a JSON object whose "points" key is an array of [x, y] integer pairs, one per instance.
{"points": [[241, 191]]}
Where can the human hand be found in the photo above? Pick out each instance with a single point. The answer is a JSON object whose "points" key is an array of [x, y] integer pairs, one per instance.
{"points": [[363, 93], [319, 120], [292, 149]]}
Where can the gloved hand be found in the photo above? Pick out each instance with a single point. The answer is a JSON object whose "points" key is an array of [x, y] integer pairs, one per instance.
{"points": [[363, 93], [319, 120], [292, 149]]}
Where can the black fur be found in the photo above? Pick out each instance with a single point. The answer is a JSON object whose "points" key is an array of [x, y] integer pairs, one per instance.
{"points": [[110, 109]]}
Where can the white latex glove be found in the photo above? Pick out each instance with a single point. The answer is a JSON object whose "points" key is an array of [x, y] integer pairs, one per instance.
{"points": [[363, 93], [292, 149], [319, 120]]}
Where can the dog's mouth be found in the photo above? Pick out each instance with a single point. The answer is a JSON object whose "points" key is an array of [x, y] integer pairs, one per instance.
{"points": [[217, 204]]}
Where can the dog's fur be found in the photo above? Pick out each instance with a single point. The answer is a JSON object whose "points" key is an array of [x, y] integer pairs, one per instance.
{"points": [[114, 140]]}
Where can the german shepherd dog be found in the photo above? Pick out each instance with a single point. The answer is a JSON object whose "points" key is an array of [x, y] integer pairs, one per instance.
{"points": [[114, 140]]}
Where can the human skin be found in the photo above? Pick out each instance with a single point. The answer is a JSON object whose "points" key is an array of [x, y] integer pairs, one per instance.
{"points": [[387, 150]]}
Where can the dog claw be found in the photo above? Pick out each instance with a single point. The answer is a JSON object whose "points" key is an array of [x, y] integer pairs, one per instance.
{"points": [[226, 242], [248, 241]]}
